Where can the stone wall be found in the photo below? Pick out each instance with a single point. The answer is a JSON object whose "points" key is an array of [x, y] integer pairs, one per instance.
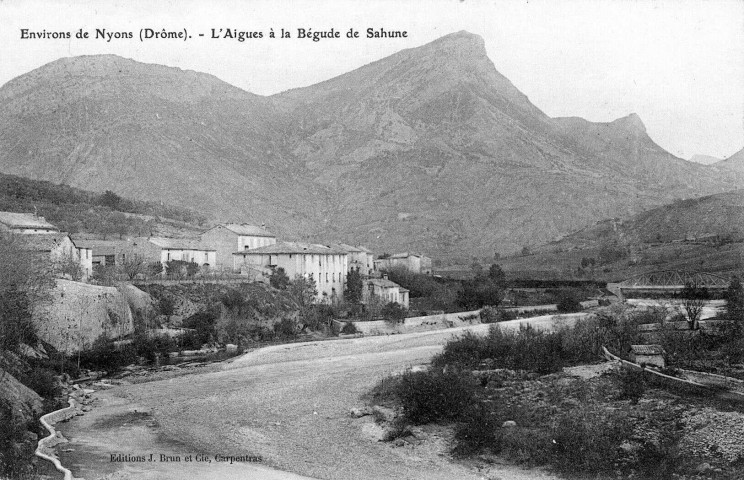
{"points": [[417, 324], [77, 314]]}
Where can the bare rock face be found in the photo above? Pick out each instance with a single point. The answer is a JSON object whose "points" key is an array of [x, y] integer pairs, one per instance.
{"points": [[24, 401], [78, 314]]}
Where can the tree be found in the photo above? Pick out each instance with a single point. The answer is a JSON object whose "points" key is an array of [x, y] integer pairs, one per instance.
{"points": [[354, 286], [133, 265], [192, 268], [497, 275], [110, 199], [393, 312], [304, 292], [694, 301], [279, 279], [68, 265], [25, 281], [735, 301]]}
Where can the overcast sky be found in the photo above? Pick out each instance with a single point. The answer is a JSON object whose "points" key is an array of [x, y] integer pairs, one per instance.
{"points": [[677, 64]]}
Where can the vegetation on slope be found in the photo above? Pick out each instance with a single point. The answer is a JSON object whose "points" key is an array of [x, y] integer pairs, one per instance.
{"points": [[75, 210]]}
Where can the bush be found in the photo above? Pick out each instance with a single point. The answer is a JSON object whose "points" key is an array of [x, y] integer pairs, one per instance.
{"points": [[435, 395], [16, 451], [632, 384], [349, 328], [43, 381], [568, 303], [105, 355], [478, 431], [491, 314], [203, 324], [527, 349], [587, 439], [286, 328]]}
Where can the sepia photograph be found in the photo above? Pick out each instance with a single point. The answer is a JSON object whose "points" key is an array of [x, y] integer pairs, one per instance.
{"points": [[394, 239]]}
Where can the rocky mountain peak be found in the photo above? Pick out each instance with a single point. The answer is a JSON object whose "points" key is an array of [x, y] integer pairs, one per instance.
{"points": [[631, 122]]}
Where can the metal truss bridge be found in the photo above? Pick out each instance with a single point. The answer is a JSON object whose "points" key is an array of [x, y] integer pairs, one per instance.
{"points": [[669, 281]]}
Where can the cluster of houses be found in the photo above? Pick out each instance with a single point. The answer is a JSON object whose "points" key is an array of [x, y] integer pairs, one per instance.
{"points": [[240, 248]]}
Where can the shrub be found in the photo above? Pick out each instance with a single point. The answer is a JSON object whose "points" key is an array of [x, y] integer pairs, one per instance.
{"points": [[568, 303], [204, 325], [15, 449], [478, 431], [491, 314], [528, 349], [632, 384], [105, 355], [166, 305], [349, 328], [393, 312], [285, 328], [43, 381], [587, 439], [435, 395]]}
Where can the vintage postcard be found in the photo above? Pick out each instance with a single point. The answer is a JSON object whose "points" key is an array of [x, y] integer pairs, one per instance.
{"points": [[369, 240]]}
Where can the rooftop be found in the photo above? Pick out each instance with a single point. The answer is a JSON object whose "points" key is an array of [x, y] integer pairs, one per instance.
{"points": [[180, 244], [383, 282], [25, 220], [42, 243], [647, 349], [294, 248], [248, 229]]}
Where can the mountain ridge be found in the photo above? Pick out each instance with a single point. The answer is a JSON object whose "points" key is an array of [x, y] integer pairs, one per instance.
{"points": [[430, 149]]}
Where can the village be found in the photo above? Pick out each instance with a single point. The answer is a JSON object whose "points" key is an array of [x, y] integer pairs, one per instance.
{"points": [[230, 253]]}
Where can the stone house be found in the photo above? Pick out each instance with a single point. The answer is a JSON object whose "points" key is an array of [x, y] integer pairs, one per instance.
{"points": [[25, 223], [229, 238], [58, 247], [359, 258], [106, 252], [327, 265], [414, 262], [647, 355], [385, 290], [162, 249]]}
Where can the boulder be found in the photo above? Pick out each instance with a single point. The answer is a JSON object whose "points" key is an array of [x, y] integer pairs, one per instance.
{"points": [[360, 412], [24, 401], [509, 424]]}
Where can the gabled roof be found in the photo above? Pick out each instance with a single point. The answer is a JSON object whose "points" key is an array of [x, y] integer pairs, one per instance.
{"points": [[102, 247], [167, 243], [383, 282], [42, 243], [25, 220], [294, 248], [647, 349], [247, 229], [347, 247]]}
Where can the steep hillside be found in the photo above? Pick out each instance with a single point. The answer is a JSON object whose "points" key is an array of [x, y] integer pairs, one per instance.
{"points": [[693, 220], [734, 163], [149, 132], [704, 159], [75, 210], [429, 149]]}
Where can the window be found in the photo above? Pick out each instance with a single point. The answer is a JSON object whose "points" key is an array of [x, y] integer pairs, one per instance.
{"points": [[326, 277], [334, 278], [246, 247]]}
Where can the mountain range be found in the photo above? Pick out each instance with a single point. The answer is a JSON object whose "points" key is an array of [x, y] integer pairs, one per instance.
{"points": [[429, 149]]}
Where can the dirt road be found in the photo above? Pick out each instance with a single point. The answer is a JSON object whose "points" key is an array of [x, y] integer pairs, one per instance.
{"points": [[287, 404]]}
